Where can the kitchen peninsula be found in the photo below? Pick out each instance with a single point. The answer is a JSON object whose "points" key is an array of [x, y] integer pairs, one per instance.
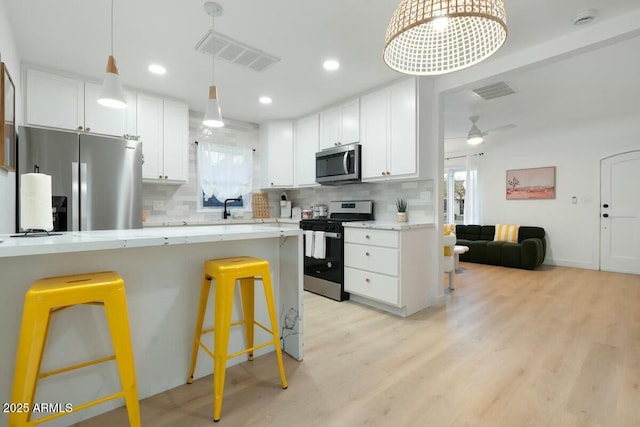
{"points": [[162, 270]]}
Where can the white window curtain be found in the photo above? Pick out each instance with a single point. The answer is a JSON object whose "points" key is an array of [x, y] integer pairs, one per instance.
{"points": [[224, 171], [471, 193]]}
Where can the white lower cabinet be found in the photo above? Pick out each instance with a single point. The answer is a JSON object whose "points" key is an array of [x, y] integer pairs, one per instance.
{"points": [[387, 268]]}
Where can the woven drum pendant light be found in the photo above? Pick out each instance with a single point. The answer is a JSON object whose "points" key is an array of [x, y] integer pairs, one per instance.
{"points": [[429, 37]]}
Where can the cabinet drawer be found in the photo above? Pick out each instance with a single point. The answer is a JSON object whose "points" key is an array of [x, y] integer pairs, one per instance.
{"points": [[364, 236], [371, 285], [372, 258]]}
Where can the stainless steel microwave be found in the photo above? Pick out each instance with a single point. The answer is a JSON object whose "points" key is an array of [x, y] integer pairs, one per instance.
{"points": [[338, 165]]}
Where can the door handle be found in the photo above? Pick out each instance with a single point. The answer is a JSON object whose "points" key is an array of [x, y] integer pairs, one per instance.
{"points": [[605, 215], [345, 162]]}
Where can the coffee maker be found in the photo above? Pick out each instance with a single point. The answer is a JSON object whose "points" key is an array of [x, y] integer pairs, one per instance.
{"points": [[285, 206]]}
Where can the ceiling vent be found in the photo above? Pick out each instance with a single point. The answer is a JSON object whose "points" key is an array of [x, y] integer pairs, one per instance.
{"points": [[235, 52], [494, 91]]}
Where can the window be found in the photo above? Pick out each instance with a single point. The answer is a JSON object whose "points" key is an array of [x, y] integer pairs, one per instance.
{"points": [[454, 196], [224, 172]]}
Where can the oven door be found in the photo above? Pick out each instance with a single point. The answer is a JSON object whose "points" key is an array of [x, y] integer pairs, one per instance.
{"points": [[330, 267], [326, 276]]}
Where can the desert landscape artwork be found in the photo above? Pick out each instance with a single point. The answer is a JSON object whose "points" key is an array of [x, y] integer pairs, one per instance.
{"points": [[533, 183]]}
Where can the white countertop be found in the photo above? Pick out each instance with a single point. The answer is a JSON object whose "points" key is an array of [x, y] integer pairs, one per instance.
{"points": [[151, 224], [79, 241], [390, 225]]}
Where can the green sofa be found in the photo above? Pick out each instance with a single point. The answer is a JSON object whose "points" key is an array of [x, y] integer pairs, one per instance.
{"points": [[528, 253]]}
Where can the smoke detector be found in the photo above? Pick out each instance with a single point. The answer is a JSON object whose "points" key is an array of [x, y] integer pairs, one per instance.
{"points": [[585, 17]]}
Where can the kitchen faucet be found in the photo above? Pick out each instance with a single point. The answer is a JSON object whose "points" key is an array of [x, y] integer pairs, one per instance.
{"points": [[226, 214]]}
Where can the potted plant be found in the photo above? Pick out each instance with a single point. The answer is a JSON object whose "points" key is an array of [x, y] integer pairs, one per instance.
{"points": [[401, 205]]}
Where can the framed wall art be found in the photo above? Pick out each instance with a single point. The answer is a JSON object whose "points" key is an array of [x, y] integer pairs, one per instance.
{"points": [[7, 120], [533, 183]]}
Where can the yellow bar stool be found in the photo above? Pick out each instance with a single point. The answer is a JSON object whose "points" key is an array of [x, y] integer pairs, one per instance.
{"points": [[225, 271], [51, 295]]}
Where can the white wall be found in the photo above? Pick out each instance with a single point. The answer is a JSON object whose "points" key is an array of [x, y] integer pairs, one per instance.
{"points": [[575, 151], [9, 55]]}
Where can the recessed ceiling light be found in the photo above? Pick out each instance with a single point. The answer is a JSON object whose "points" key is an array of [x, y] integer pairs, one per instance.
{"points": [[157, 69], [331, 65], [265, 100]]}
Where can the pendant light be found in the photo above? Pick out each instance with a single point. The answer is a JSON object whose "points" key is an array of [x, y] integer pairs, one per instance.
{"points": [[429, 37], [111, 94], [213, 115]]}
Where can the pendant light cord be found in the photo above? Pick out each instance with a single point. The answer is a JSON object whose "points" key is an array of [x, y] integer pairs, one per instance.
{"points": [[213, 58], [111, 27]]}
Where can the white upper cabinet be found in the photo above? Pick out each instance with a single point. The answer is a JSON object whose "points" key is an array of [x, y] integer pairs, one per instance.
{"points": [[68, 103], [176, 141], [340, 125], [54, 101], [278, 138], [150, 116], [389, 133], [306, 139], [163, 127]]}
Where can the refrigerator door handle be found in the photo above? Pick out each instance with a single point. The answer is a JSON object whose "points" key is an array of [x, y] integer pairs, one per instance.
{"points": [[84, 196], [75, 197]]}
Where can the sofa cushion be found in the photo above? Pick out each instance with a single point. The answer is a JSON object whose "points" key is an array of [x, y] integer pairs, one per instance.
{"points": [[493, 254], [511, 255], [506, 233], [525, 232], [477, 250]]}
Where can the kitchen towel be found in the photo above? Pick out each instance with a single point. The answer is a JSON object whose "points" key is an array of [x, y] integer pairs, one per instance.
{"points": [[319, 247], [308, 243], [35, 202]]}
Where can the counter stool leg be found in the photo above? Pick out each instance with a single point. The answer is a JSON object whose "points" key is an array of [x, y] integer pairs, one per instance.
{"points": [[224, 303], [115, 307], [202, 309], [33, 337], [247, 287], [271, 306]]}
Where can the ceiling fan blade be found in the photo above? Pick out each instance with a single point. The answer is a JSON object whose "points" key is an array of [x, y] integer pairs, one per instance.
{"points": [[500, 128], [454, 137]]}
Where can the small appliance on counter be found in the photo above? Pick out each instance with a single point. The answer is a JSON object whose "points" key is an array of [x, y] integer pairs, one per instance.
{"points": [[324, 247], [285, 206]]}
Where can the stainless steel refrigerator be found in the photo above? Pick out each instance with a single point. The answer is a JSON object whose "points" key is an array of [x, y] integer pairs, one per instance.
{"points": [[96, 180]]}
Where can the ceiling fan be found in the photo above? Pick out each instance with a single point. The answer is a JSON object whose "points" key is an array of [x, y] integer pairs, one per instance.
{"points": [[476, 136]]}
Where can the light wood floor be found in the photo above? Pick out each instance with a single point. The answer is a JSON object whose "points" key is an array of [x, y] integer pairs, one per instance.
{"points": [[552, 347]]}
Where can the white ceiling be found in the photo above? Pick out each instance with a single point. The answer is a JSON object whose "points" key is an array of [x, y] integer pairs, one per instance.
{"points": [[73, 35]]}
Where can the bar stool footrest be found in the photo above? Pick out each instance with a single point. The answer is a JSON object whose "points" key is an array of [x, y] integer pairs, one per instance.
{"points": [[118, 395]]}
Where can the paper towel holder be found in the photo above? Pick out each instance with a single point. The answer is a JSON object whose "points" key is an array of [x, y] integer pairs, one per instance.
{"points": [[36, 232]]}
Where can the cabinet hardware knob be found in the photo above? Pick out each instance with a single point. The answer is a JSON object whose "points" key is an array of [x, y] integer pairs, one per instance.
{"points": [[605, 205], [272, 184], [605, 215], [88, 129], [366, 253], [166, 177], [160, 176], [367, 280], [79, 127], [383, 173], [366, 236]]}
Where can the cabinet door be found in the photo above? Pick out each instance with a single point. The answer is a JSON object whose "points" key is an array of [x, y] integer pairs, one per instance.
{"points": [[54, 101], [306, 145], [403, 142], [350, 122], [176, 141], [375, 120], [101, 119], [280, 154], [149, 118], [372, 285], [329, 128]]}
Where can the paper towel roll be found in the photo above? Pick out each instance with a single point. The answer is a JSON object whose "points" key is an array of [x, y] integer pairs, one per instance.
{"points": [[35, 202]]}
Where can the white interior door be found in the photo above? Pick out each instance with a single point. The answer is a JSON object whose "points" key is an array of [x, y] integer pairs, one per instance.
{"points": [[620, 213]]}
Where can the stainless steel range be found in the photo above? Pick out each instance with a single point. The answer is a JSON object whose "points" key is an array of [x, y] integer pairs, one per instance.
{"points": [[324, 247]]}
